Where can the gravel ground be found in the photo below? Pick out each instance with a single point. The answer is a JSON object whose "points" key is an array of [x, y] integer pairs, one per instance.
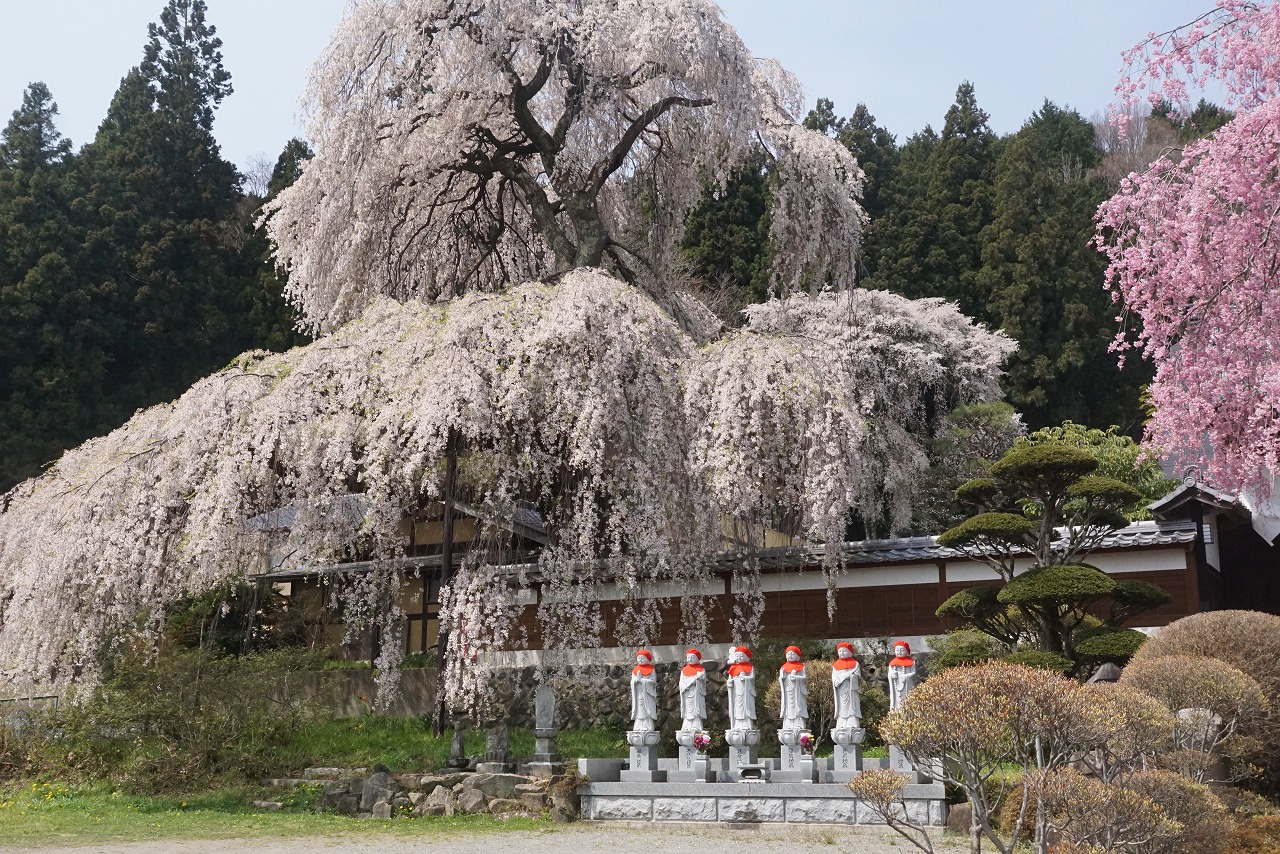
{"points": [[579, 839]]}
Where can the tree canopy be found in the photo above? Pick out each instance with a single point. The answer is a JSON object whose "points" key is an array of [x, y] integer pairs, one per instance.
{"points": [[471, 146], [1192, 254]]}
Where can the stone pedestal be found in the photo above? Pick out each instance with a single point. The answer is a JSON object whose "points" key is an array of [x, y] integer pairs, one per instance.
{"points": [[744, 757], [899, 764], [643, 767], [791, 760], [847, 761], [545, 762]]}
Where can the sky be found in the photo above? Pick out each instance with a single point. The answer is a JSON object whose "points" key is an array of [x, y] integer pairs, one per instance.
{"points": [[902, 59]]}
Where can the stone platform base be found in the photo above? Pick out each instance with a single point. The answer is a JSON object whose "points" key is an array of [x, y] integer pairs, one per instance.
{"points": [[775, 803]]}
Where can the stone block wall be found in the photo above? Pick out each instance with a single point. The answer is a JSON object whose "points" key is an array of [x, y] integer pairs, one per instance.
{"points": [[751, 803]]}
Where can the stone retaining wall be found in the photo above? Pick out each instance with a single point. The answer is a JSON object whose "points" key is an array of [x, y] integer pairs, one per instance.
{"points": [[781, 803], [606, 799]]}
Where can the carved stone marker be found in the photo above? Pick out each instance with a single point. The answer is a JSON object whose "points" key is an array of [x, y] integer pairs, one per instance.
{"points": [[457, 749], [546, 762], [497, 755]]}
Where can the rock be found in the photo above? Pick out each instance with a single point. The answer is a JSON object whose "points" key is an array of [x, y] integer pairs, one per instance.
{"points": [[528, 788], [416, 798], [495, 785], [471, 801], [506, 807], [457, 788], [428, 784], [451, 780], [379, 788], [435, 811], [348, 804], [440, 802], [382, 809], [398, 802], [534, 802], [269, 806], [959, 817], [354, 785]]}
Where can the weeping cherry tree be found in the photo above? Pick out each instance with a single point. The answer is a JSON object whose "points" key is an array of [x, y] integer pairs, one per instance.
{"points": [[484, 243]]}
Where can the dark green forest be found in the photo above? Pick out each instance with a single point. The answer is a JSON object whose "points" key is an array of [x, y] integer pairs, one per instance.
{"points": [[133, 266]]}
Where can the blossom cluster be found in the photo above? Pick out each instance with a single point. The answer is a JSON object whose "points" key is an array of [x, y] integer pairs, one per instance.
{"points": [[1193, 256]]}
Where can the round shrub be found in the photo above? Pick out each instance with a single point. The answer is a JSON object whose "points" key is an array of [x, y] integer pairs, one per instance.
{"points": [[1248, 640], [1206, 824], [1006, 527], [1040, 659]]}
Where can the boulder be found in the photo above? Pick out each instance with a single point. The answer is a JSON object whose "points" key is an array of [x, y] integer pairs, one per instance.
{"points": [[379, 788], [382, 809], [453, 779], [416, 798], [959, 816], [348, 804], [495, 785], [440, 802], [534, 802], [471, 801], [435, 811], [506, 807]]}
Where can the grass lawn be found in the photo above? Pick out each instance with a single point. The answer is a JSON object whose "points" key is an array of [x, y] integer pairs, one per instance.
{"points": [[44, 813]]}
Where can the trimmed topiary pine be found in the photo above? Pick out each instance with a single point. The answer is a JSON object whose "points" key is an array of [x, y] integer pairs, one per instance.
{"points": [[1101, 644]]}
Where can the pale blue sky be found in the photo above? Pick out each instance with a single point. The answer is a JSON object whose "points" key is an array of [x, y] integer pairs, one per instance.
{"points": [[903, 59]]}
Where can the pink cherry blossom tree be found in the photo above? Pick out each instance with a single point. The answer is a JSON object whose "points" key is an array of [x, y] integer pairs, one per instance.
{"points": [[1194, 255]]}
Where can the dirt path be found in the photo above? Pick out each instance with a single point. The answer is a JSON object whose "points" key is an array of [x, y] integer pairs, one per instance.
{"points": [[573, 840]]}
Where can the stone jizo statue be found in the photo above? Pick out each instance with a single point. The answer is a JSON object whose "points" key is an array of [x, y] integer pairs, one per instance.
{"points": [[644, 692], [741, 685], [846, 684], [693, 692], [902, 674], [794, 691]]}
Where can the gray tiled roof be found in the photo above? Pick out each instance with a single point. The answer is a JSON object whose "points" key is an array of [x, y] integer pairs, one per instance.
{"points": [[910, 549]]}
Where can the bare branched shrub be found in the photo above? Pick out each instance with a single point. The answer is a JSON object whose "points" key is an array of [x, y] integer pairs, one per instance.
{"points": [[1140, 731], [980, 720], [1084, 810], [881, 790], [1204, 820], [1216, 706]]}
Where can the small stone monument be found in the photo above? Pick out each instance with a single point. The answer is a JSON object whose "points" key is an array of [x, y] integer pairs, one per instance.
{"points": [[848, 733], [457, 748], [643, 735], [545, 762], [902, 678], [692, 764], [795, 764], [497, 752], [742, 735]]}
